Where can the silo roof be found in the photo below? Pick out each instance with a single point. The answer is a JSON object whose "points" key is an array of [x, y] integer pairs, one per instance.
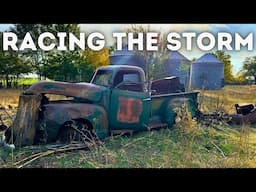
{"points": [[175, 55], [124, 51], [208, 58], [126, 57], [121, 59]]}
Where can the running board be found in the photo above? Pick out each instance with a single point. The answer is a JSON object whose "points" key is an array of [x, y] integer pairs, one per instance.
{"points": [[121, 132], [157, 125]]}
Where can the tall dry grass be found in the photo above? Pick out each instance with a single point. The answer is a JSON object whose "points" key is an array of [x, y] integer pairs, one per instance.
{"points": [[9, 97], [227, 97]]}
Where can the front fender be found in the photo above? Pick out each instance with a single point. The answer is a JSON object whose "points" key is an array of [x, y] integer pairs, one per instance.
{"points": [[55, 115]]}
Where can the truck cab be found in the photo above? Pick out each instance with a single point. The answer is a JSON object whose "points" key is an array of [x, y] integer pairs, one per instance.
{"points": [[128, 98]]}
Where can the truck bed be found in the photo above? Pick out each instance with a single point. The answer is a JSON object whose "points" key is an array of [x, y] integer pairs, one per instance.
{"points": [[162, 102]]}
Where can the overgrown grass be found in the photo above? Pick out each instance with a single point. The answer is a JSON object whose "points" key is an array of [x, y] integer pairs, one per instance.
{"points": [[208, 148], [187, 145]]}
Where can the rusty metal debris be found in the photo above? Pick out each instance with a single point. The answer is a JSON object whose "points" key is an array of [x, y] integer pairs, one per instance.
{"points": [[213, 118], [246, 114]]}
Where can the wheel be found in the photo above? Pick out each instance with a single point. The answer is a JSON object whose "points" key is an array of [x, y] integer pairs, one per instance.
{"points": [[76, 130]]}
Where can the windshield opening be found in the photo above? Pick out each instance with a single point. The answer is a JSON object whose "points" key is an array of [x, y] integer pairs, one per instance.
{"points": [[102, 77]]}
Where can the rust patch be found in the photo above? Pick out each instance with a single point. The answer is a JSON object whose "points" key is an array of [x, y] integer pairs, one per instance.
{"points": [[129, 110]]}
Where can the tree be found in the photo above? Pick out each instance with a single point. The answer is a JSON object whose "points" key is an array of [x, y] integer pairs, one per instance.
{"points": [[156, 67], [148, 56], [249, 67], [225, 58], [71, 66], [34, 57], [154, 60], [12, 65], [240, 77], [64, 65], [97, 58], [39, 58]]}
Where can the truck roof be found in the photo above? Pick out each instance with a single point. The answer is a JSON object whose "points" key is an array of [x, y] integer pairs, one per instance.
{"points": [[127, 67]]}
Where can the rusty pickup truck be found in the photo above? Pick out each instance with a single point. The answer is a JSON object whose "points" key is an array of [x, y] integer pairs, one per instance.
{"points": [[117, 100]]}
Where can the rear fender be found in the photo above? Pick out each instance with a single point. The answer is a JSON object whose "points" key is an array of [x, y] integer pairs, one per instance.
{"points": [[189, 100]]}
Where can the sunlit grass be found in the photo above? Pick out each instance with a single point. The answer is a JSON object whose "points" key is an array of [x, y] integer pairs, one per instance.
{"points": [[9, 97], [27, 81], [229, 96]]}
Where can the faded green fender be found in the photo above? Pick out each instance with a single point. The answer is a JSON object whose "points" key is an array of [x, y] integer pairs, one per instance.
{"points": [[57, 114]]}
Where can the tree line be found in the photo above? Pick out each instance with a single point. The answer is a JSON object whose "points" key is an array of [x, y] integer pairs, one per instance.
{"points": [[247, 75], [72, 66]]}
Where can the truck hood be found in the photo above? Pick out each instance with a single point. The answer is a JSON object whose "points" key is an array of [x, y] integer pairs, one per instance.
{"points": [[80, 90]]}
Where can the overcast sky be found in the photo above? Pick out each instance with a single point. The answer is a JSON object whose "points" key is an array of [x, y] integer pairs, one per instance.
{"points": [[237, 57]]}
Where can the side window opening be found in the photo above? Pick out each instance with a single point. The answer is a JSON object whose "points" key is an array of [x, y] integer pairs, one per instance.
{"points": [[131, 79]]}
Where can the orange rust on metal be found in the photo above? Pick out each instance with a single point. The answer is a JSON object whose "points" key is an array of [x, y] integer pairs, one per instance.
{"points": [[129, 110], [244, 119]]}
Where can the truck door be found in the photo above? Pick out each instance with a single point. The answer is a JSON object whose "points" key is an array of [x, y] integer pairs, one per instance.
{"points": [[129, 102]]}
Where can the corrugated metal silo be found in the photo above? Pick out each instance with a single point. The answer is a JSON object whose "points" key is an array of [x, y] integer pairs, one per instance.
{"points": [[126, 57], [207, 72], [178, 65]]}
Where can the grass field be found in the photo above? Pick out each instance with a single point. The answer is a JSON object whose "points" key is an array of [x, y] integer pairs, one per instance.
{"points": [[27, 81], [227, 97], [187, 145]]}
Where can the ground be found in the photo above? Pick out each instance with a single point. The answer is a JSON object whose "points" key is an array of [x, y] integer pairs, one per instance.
{"points": [[187, 145]]}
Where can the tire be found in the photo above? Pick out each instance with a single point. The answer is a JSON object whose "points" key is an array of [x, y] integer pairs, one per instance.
{"points": [[76, 130]]}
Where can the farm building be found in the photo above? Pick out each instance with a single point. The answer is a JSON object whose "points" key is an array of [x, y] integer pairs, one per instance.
{"points": [[207, 72], [178, 65], [126, 57]]}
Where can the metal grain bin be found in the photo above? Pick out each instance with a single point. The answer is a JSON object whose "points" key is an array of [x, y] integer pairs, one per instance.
{"points": [[126, 57], [207, 72], [178, 65]]}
